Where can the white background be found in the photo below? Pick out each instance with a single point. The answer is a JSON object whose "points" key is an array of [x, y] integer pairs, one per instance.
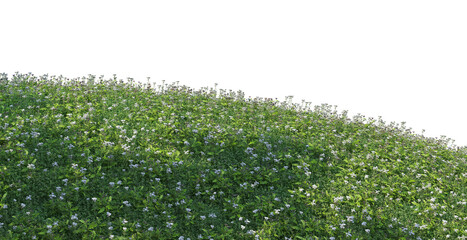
{"points": [[403, 60]]}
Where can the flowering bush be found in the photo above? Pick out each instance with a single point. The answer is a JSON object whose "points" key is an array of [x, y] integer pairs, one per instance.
{"points": [[123, 161]]}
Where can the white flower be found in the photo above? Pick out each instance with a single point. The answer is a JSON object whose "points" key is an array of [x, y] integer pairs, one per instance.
{"points": [[169, 225]]}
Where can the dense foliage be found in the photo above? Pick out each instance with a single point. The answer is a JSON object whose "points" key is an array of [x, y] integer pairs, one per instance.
{"points": [[91, 158]]}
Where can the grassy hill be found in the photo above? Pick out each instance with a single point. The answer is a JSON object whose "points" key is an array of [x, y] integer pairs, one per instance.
{"points": [[97, 159]]}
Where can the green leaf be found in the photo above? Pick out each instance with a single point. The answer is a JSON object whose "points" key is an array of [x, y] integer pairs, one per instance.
{"points": [[79, 231], [358, 197], [4, 195], [92, 225]]}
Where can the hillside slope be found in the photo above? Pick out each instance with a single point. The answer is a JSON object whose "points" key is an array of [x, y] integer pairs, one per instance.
{"points": [[92, 158]]}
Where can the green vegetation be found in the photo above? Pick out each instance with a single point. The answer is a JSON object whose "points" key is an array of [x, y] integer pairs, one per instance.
{"points": [[97, 159]]}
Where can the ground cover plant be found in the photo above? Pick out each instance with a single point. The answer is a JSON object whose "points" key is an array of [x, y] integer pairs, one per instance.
{"points": [[90, 158]]}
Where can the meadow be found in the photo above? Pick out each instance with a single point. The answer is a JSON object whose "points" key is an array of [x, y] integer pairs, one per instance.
{"points": [[95, 158]]}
